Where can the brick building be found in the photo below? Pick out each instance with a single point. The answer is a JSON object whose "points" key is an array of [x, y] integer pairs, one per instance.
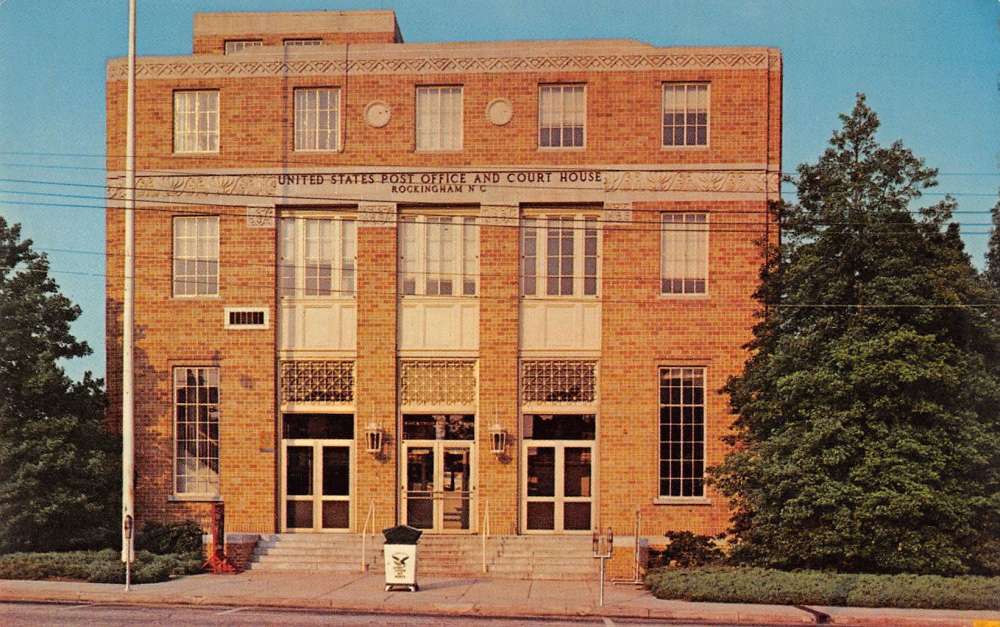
{"points": [[381, 282]]}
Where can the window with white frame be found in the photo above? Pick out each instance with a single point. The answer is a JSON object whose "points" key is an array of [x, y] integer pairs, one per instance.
{"points": [[291, 43], [439, 255], [439, 118], [196, 121], [684, 253], [317, 257], [685, 114], [238, 45], [682, 432], [196, 431], [317, 118], [196, 256], [559, 255], [562, 116]]}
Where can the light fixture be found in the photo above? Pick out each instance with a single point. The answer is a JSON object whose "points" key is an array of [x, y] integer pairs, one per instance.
{"points": [[373, 438], [498, 439]]}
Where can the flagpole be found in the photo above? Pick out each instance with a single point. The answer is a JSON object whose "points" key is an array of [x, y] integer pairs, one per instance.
{"points": [[128, 316]]}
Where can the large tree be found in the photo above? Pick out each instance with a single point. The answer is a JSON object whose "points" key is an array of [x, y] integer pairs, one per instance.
{"points": [[59, 469], [867, 436]]}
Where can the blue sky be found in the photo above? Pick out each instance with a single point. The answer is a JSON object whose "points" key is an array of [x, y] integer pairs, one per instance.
{"points": [[930, 69]]}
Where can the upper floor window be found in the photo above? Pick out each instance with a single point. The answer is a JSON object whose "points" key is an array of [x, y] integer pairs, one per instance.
{"points": [[439, 256], [196, 256], [302, 42], [196, 431], [562, 116], [238, 45], [559, 255], [439, 118], [682, 432], [317, 118], [317, 256], [196, 121], [684, 253], [685, 114]]}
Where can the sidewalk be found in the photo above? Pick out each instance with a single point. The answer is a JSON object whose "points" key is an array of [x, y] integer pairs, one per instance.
{"points": [[466, 597]]}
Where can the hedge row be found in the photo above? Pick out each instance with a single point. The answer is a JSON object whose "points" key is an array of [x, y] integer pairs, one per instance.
{"points": [[97, 566], [761, 585]]}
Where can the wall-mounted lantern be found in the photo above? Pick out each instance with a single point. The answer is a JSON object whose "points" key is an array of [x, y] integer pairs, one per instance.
{"points": [[498, 439], [373, 438]]}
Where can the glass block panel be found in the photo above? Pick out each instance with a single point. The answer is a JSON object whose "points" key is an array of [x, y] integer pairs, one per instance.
{"points": [[438, 382], [558, 381], [317, 381]]}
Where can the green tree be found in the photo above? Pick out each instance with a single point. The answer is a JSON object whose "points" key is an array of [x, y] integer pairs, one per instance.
{"points": [[992, 273], [867, 434], [59, 469]]}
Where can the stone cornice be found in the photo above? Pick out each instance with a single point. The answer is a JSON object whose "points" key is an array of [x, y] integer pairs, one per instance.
{"points": [[584, 56]]}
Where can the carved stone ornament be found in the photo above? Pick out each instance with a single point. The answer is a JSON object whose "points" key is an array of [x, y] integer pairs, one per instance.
{"points": [[220, 184], [260, 217], [498, 215], [371, 215], [377, 114], [500, 111], [617, 214], [685, 181]]}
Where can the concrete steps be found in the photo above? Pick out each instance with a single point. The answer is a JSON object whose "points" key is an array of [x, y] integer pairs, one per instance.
{"points": [[516, 557]]}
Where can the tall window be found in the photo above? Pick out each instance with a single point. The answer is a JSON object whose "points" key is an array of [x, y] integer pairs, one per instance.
{"points": [[682, 431], [196, 431], [196, 121], [684, 253], [685, 114], [559, 255], [196, 256], [317, 119], [562, 116], [317, 257], [238, 45], [439, 118], [439, 256]]}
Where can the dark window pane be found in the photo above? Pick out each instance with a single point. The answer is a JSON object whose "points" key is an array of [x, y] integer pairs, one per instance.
{"points": [[576, 471], [299, 514], [563, 426], [336, 514], [576, 516], [541, 515], [336, 471], [319, 426], [299, 460], [541, 471]]}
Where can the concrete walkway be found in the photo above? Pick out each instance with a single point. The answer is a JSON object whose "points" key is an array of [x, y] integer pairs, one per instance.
{"points": [[466, 597]]}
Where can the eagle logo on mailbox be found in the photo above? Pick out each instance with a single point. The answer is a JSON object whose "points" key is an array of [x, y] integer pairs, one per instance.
{"points": [[399, 559]]}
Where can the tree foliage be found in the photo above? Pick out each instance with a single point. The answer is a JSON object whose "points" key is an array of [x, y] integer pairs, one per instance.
{"points": [[867, 436], [59, 469]]}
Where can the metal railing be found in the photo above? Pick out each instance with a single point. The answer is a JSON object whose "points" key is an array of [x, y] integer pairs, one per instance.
{"points": [[369, 517], [485, 528]]}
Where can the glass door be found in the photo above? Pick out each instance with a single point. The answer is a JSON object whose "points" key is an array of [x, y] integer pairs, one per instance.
{"points": [[437, 486], [558, 486], [316, 472]]}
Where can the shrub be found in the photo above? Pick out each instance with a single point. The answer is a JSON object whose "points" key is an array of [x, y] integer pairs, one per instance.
{"points": [[690, 549], [97, 566], [162, 539], [761, 585]]}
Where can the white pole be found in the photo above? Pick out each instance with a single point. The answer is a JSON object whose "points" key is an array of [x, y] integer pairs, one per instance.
{"points": [[128, 314]]}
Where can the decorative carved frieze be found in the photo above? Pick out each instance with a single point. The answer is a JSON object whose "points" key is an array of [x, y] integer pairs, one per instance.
{"points": [[192, 67], [617, 214], [685, 181], [498, 215], [180, 185], [372, 215]]}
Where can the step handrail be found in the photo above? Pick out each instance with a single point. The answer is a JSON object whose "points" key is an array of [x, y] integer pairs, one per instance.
{"points": [[485, 528], [370, 516]]}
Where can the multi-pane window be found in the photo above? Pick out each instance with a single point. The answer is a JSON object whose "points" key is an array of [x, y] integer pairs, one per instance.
{"points": [[317, 118], [317, 257], [559, 255], [291, 43], [196, 256], [238, 45], [439, 118], [562, 116], [439, 255], [196, 121], [682, 431], [684, 254], [196, 431], [685, 114]]}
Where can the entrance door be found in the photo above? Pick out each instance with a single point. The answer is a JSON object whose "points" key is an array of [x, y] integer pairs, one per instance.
{"points": [[558, 473], [316, 473], [436, 482], [437, 494]]}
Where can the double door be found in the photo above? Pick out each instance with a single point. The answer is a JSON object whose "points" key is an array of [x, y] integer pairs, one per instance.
{"points": [[316, 485], [437, 488], [558, 485]]}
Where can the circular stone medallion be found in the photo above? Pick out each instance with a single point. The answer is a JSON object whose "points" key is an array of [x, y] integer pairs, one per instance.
{"points": [[499, 111], [377, 114]]}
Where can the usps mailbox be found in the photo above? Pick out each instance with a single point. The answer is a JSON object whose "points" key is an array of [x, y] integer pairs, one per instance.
{"points": [[400, 554]]}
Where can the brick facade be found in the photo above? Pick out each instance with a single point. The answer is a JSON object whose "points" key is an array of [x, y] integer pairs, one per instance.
{"points": [[640, 329]]}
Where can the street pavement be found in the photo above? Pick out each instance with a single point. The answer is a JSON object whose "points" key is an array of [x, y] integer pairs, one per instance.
{"points": [[358, 593]]}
